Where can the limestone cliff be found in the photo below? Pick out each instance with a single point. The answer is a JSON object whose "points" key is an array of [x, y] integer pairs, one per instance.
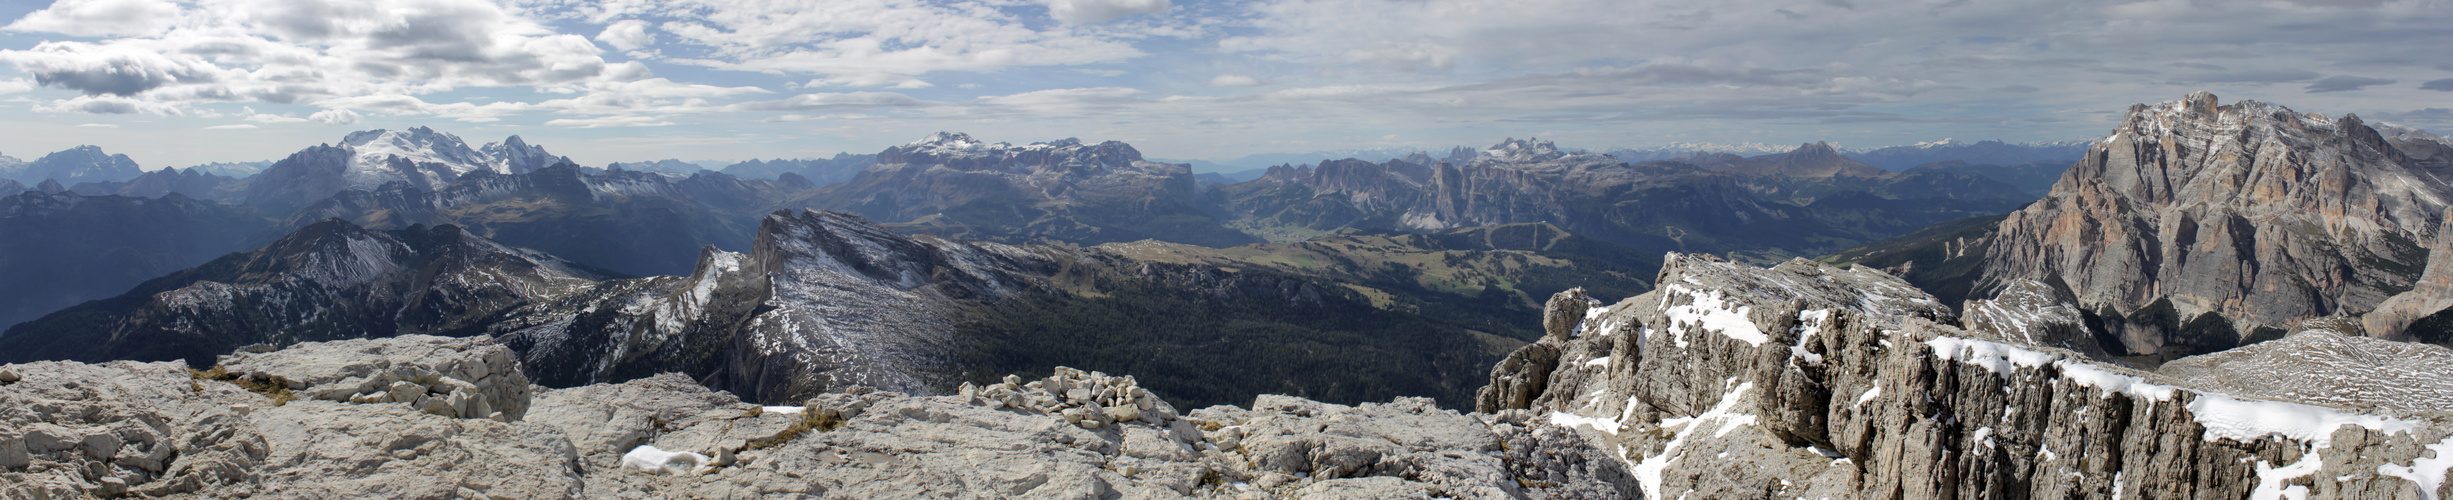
{"points": [[1805, 380], [2197, 226]]}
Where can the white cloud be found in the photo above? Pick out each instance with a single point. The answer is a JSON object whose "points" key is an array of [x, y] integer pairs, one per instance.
{"points": [[335, 116], [1100, 11], [174, 54], [239, 126], [629, 34], [95, 18], [874, 43], [98, 125], [1234, 81], [15, 85]]}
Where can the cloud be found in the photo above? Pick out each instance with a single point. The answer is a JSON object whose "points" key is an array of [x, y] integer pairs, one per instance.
{"points": [[98, 18], [629, 34], [1234, 81], [253, 116], [175, 53], [2345, 82], [826, 101], [882, 43], [240, 126], [112, 105], [336, 116], [15, 86], [1100, 11], [2248, 76], [98, 125], [608, 121], [2442, 85]]}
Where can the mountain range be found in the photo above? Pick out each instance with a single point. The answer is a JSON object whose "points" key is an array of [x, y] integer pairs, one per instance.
{"points": [[2215, 300]]}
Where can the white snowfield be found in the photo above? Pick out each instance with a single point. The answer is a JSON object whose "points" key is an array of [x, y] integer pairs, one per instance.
{"points": [[649, 459]]}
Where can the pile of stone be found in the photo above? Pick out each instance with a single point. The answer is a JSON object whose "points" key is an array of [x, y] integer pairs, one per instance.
{"points": [[1092, 400]]}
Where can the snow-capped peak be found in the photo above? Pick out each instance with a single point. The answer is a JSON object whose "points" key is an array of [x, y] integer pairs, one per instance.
{"points": [[418, 145], [1946, 141]]}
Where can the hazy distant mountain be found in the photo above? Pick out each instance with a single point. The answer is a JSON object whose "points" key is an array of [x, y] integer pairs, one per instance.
{"points": [[1982, 152], [71, 166], [952, 185], [57, 250], [193, 182], [1266, 160], [1801, 202], [669, 166], [236, 170], [818, 171], [1683, 150]]}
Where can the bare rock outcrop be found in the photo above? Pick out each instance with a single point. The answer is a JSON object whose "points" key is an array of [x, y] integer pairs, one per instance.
{"points": [[1738, 382], [302, 422], [461, 378]]}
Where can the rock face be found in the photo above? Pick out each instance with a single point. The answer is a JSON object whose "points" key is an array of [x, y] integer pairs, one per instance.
{"points": [[952, 185], [2196, 226], [2432, 295], [125, 428], [2327, 363], [332, 280], [1805, 380]]}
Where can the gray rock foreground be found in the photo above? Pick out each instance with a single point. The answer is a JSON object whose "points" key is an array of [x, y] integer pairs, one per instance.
{"points": [[433, 417]]}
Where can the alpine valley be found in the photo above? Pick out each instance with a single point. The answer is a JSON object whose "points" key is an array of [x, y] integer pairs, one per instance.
{"points": [[2215, 300]]}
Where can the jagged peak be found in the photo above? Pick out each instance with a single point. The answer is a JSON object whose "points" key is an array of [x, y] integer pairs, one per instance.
{"points": [[1816, 149], [945, 139]]}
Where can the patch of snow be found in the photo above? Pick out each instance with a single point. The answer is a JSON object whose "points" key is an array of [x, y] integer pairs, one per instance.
{"points": [[1600, 361], [1869, 395], [793, 410], [1709, 310], [649, 459], [2428, 472], [2246, 420], [2270, 479], [1648, 470], [1996, 357], [1565, 419]]}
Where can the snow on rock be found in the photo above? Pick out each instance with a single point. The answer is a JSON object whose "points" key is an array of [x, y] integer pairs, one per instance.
{"points": [[649, 459], [1708, 310], [2428, 472], [2248, 420]]}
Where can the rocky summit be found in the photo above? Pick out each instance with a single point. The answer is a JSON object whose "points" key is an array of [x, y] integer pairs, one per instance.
{"points": [[1805, 380], [2197, 226], [434, 417]]}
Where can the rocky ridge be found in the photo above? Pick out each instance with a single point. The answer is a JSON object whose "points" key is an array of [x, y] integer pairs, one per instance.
{"points": [[328, 281], [126, 428], [1806, 380]]}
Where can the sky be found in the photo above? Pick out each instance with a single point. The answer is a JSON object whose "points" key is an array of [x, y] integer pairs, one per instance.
{"points": [[181, 82]]}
